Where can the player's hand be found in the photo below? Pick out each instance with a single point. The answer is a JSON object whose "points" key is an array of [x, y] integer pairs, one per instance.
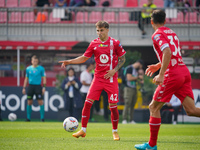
{"points": [[158, 80], [64, 63], [43, 91], [109, 74], [151, 69], [24, 91]]}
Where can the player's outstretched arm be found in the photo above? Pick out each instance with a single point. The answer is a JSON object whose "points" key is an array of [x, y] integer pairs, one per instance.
{"points": [[78, 60], [152, 69], [111, 73]]}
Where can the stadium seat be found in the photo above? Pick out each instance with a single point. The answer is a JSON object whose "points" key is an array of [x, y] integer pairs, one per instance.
{"points": [[191, 17], [28, 17], [12, 3], [82, 17], [109, 17], [132, 3], [3, 17], [95, 16], [118, 3], [123, 17], [15, 17], [25, 3], [2, 3], [177, 20], [159, 3], [52, 19]]}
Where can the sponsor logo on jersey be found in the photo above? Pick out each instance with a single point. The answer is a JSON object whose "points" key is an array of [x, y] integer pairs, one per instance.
{"points": [[104, 58], [157, 37], [102, 45], [160, 42], [111, 47], [95, 48]]}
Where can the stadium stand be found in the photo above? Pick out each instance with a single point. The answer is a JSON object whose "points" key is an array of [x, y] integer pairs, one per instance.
{"points": [[109, 17], [12, 3], [25, 3], [82, 17], [52, 19], [123, 17], [95, 16], [3, 17], [132, 3], [15, 17], [28, 17], [2, 3], [118, 3]]}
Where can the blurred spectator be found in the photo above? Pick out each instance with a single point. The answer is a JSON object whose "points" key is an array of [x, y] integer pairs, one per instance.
{"points": [[86, 80], [61, 3], [130, 90], [145, 16], [169, 3], [91, 2], [41, 3], [76, 3], [73, 100], [185, 4], [167, 115], [197, 3], [106, 3]]}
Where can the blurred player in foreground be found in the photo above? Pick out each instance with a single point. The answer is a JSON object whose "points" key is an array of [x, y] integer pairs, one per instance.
{"points": [[173, 78], [109, 57], [34, 75]]}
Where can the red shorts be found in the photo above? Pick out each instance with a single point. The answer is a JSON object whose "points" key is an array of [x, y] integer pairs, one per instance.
{"points": [[177, 81], [98, 85]]}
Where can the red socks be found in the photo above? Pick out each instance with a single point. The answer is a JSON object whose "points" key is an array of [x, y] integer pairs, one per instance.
{"points": [[86, 113], [154, 124], [114, 116]]}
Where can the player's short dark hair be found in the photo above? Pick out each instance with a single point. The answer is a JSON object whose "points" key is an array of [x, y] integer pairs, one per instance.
{"points": [[102, 24], [158, 16], [34, 57]]}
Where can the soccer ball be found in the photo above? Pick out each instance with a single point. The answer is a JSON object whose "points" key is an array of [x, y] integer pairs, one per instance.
{"points": [[12, 117], [70, 124]]}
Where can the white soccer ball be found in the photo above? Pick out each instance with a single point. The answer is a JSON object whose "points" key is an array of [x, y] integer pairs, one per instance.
{"points": [[12, 117], [70, 124]]}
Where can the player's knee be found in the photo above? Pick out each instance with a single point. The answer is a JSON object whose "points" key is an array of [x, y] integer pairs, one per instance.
{"points": [[190, 112]]}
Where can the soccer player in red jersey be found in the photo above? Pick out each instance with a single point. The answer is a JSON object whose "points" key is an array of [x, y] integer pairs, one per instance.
{"points": [[109, 57], [173, 78]]}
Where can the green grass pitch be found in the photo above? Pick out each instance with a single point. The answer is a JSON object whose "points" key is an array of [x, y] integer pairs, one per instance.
{"points": [[51, 136]]}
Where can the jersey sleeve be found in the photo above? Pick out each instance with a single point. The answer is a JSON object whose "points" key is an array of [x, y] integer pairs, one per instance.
{"points": [[43, 72], [160, 40], [89, 52], [27, 75], [119, 49]]}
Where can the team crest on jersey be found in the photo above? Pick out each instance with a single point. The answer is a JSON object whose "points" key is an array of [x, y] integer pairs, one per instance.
{"points": [[104, 58], [160, 42], [102, 45]]}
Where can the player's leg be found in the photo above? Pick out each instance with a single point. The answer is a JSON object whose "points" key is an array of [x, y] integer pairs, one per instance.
{"points": [[154, 124], [190, 107], [30, 93], [39, 97], [85, 118], [93, 94], [112, 91], [114, 120]]}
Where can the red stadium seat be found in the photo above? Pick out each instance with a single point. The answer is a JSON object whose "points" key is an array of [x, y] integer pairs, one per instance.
{"points": [[109, 17], [82, 17], [3, 17], [141, 2], [118, 3], [25, 3], [12, 3], [132, 3], [179, 19], [28, 17], [15, 17], [159, 3], [191, 17], [52, 19], [95, 17], [123, 17], [2, 3]]}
